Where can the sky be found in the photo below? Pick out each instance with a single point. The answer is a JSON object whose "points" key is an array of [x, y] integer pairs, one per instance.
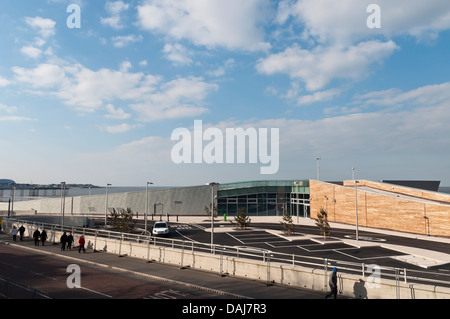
{"points": [[93, 93]]}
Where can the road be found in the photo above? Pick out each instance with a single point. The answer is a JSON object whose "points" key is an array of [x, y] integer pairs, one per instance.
{"points": [[50, 276]]}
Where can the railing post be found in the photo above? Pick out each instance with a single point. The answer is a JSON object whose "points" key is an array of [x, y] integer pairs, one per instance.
{"points": [[95, 240], [148, 249], [182, 255]]}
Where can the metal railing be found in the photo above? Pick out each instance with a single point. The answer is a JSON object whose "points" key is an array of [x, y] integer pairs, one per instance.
{"points": [[266, 256], [12, 290]]}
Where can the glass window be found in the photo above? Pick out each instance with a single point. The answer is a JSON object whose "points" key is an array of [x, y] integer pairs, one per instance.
{"points": [[252, 210]]}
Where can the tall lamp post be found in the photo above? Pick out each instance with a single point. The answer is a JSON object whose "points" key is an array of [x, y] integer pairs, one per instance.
{"points": [[63, 201], [212, 212], [356, 207], [356, 201], [317, 160], [106, 203], [146, 206]]}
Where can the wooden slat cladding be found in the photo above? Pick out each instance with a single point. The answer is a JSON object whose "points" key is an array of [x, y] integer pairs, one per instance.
{"points": [[383, 206]]}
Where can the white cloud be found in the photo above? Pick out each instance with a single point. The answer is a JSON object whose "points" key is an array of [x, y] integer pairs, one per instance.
{"points": [[15, 118], [10, 110], [88, 91], [4, 82], [232, 24], [319, 96], [7, 109], [182, 97], [343, 22], [45, 27], [43, 76], [124, 40], [221, 70], [178, 54], [426, 95], [31, 51], [121, 128], [319, 66], [116, 114], [114, 8]]}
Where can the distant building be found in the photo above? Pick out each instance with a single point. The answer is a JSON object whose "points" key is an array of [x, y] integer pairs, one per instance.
{"points": [[7, 182]]}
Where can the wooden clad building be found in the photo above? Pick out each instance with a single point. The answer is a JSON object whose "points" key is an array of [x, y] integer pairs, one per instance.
{"points": [[383, 205]]}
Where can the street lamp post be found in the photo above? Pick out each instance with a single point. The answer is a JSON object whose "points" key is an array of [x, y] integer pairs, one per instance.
{"points": [[356, 207], [317, 160], [146, 207], [106, 203], [63, 201], [212, 212]]}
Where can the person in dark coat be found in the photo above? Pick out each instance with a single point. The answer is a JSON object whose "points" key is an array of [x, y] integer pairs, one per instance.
{"points": [[69, 241], [63, 241], [36, 236], [43, 236], [21, 231], [332, 282]]}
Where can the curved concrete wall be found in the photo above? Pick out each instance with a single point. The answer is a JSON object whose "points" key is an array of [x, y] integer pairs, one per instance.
{"points": [[174, 201]]}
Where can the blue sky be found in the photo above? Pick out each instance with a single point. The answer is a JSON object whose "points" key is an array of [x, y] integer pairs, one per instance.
{"points": [[98, 104]]}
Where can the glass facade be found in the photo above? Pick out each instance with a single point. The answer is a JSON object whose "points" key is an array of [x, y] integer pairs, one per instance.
{"points": [[264, 198]]}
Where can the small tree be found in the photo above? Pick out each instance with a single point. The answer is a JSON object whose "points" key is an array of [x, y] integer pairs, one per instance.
{"points": [[288, 225], [208, 210], [122, 219], [322, 223], [242, 219]]}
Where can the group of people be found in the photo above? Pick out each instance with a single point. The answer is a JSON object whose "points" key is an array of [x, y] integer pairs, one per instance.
{"points": [[68, 240], [38, 236], [41, 236]]}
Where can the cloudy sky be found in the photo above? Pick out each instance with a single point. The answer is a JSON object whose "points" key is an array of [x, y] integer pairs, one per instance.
{"points": [[99, 103]]}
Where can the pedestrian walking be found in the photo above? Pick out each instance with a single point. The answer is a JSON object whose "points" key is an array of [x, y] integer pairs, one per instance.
{"points": [[69, 241], [36, 236], [14, 232], [332, 282], [43, 236], [63, 241], [81, 243], [21, 232]]}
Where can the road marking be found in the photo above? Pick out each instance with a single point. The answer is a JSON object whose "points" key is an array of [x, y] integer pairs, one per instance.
{"points": [[42, 275], [191, 240], [96, 292], [235, 238]]}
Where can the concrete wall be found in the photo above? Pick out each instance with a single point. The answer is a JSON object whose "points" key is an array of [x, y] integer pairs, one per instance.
{"points": [[388, 207], [174, 201]]}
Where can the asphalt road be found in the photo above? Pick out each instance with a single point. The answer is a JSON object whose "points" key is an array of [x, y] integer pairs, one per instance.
{"points": [[54, 278]]}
